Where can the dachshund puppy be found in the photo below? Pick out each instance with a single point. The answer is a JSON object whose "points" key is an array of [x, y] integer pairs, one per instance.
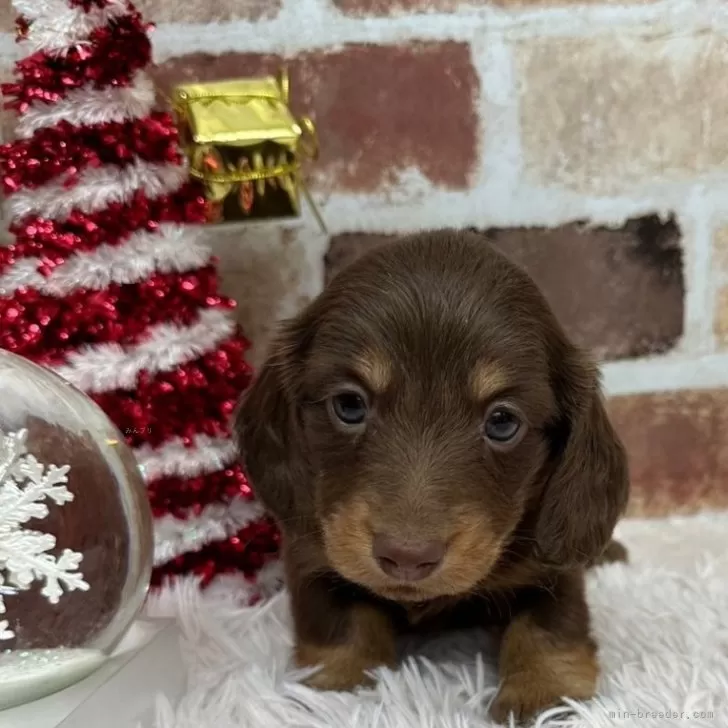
{"points": [[435, 450]]}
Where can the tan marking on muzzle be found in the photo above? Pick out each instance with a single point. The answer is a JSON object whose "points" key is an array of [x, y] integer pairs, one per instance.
{"points": [[472, 551], [348, 538]]}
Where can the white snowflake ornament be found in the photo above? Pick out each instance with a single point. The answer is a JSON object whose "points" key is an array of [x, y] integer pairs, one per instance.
{"points": [[24, 559]]}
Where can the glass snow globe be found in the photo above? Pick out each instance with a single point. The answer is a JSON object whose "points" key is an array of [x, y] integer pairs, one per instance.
{"points": [[76, 540]]}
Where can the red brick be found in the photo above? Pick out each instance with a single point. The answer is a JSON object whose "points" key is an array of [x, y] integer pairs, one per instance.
{"points": [[618, 293], [396, 7], [202, 11], [373, 106], [393, 7], [208, 67], [676, 445], [7, 16]]}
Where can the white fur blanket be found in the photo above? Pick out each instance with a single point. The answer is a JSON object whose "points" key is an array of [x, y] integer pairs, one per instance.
{"points": [[661, 622]]}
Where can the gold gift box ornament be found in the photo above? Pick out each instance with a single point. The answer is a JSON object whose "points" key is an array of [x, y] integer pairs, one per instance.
{"points": [[246, 147]]}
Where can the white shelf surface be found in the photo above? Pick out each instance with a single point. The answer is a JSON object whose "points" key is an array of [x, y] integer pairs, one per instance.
{"points": [[120, 694]]}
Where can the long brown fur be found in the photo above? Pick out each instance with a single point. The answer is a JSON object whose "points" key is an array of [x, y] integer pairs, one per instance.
{"points": [[433, 330]]}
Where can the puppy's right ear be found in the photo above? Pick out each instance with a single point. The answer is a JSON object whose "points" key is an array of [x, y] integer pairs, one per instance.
{"points": [[267, 427]]}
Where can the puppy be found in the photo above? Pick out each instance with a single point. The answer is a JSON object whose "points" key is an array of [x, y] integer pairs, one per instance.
{"points": [[435, 450]]}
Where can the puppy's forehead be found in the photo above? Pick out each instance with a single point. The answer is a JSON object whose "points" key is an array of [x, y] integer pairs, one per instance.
{"points": [[433, 321]]}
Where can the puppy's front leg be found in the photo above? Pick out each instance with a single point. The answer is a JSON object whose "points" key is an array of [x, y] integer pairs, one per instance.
{"points": [[345, 636], [547, 652]]}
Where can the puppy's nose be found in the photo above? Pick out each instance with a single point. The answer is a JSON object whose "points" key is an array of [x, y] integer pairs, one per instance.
{"points": [[407, 561]]}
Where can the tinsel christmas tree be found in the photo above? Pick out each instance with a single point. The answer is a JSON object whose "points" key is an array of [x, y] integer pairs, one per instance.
{"points": [[108, 281]]}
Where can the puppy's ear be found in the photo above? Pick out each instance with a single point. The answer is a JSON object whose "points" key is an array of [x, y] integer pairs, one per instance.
{"points": [[589, 483], [266, 424]]}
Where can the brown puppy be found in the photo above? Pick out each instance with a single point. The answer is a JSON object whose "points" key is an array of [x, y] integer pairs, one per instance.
{"points": [[433, 447]]}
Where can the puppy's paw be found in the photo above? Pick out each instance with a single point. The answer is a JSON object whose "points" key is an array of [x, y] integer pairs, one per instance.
{"points": [[538, 671], [334, 678], [523, 699], [341, 668]]}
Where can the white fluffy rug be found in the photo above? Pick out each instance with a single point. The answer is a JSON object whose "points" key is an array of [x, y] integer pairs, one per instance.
{"points": [[661, 622]]}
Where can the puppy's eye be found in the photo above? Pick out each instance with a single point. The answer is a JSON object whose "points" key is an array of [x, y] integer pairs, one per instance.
{"points": [[349, 407], [502, 425]]}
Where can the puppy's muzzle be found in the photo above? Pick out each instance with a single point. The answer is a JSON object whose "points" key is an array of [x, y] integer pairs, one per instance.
{"points": [[406, 560]]}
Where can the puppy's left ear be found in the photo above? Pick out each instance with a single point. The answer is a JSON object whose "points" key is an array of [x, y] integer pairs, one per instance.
{"points": [[588, 487]]}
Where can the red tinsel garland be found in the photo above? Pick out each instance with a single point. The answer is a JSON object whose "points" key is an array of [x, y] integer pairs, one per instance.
{"points": [[197, 397], [61, 152], [112, 56], [45, 328], [246, 552], [179, 496], [208, 386], [54, 241]]}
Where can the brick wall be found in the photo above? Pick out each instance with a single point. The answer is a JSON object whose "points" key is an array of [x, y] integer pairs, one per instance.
{"points": [[588, 140]]}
